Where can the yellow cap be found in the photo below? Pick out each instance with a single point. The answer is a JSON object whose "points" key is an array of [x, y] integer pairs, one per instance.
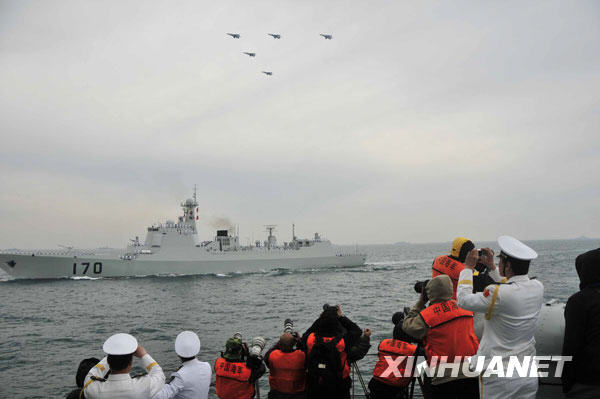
{"points": [[457, 245]]}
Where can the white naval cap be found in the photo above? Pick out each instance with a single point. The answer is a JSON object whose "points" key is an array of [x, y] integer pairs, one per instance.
{"points": [[515, 248], [120, 344], [187, 344]]}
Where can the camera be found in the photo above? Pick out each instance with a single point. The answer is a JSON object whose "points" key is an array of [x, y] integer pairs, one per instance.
{"points": [[288, 326], [480, 266], [254, 350], [328, 308], [420, 288], [256, 346]]}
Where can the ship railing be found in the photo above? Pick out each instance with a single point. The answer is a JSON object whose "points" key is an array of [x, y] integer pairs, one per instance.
{"points": [[48, 252], [128, 256]]}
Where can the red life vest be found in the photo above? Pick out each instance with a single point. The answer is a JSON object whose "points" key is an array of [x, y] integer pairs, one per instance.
{"points": [[341, 346], [287, 374], [232, 380], [393, 348], [450, 267], [450, 331]]}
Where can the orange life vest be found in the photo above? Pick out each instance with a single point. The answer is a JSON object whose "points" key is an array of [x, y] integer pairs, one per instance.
{"points": [[341, 347], [232, 380], [287, 374], [450, 267], [393, 348], [450, 331]]}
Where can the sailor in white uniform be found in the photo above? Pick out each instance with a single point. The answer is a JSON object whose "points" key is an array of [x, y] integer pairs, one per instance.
{"points": [[192, 379], [512, 310], [119, 385]]}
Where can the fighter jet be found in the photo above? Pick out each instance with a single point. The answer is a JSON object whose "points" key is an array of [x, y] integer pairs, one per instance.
{"points": [[250, 54], [268, 73], [234, 35], [275, 35], [328, 37]]}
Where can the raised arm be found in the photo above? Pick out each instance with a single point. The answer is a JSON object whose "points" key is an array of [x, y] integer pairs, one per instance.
{"points": [[155, 372], [465, 298]]}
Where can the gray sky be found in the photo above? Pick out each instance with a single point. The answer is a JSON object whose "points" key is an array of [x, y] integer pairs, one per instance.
{"points": [[419, 121]]}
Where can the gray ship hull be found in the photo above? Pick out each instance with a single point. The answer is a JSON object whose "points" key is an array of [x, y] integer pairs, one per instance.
{"points": [[39, 267]]}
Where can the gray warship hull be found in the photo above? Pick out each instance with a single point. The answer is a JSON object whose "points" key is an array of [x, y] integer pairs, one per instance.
{"points": [[39, 267], [174, 248]]}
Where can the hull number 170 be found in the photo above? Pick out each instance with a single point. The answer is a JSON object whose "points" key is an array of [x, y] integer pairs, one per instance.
{"points": [[97, 267]]}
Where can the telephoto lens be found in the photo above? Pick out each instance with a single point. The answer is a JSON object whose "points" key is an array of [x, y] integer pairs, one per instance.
{"points": [[256, 346], [288, 326]]}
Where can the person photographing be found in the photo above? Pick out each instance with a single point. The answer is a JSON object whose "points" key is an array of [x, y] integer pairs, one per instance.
{"points": [[239, 368], [512, 310], [287, 366]]}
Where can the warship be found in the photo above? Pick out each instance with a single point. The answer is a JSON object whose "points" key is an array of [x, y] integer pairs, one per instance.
{"points": [[173, 248]]}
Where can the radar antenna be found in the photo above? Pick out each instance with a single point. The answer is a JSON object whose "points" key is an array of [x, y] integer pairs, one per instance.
{"points": [[270, 228], [271, 240]]}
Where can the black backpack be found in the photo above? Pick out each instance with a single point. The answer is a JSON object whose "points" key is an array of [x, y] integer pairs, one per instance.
{"points": [[324, 369]]}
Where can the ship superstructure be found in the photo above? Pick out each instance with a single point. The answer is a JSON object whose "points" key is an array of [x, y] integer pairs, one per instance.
{"points": [[174, 248]]}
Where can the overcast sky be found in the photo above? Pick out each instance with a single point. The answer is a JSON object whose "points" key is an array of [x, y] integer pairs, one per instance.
{"points": [[419, 121]]}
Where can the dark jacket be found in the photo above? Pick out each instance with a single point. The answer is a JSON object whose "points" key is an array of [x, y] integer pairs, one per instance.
{"points": [[582, 325], [348, 330], [74, 394]]}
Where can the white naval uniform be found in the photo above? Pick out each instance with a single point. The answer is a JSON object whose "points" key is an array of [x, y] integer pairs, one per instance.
{"points": [[122, 386], [191, 381], [512, 312]]}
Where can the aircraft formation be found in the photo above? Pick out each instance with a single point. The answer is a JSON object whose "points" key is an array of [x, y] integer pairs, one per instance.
{"points": [[275, 36]]}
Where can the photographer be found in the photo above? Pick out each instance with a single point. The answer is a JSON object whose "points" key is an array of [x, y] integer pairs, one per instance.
{"points": [[446, 330], [451, 265], [239, 368], [331, 347], [512, 312], [287, 366], [345, 327], [402, 344]]}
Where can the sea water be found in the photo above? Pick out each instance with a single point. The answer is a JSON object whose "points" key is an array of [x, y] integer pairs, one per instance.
{"points": [[48, 326]]}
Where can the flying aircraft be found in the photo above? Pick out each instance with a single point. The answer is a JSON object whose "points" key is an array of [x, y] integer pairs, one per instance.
{"points": [[234, 35], [250, 54], [275, 35], [268, 73], [328, 37]]}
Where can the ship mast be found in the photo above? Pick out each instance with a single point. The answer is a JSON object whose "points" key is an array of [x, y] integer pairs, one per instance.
{"points": [[190, 211], [271, 240]]}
